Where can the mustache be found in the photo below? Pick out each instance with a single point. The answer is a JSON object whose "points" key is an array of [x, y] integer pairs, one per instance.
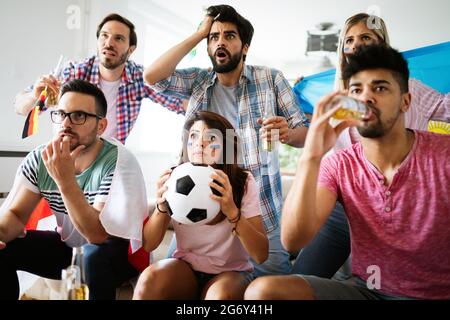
{"points": [[67, 132], [109, 49], [373, 109]]}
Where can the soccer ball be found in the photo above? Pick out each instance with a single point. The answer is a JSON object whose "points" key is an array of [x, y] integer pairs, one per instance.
{"points": [[188, 195]]}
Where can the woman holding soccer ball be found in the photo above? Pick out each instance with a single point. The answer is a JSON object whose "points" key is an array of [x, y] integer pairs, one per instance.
{"points": [[211, 260]]}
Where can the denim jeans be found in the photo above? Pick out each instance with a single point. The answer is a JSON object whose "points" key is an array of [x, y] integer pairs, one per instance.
{"points": [[107, 267], [328, 251], [44, 254], [278, 262]]}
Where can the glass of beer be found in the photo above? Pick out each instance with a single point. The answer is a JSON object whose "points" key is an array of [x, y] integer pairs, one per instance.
{"points": [[350, 108]]}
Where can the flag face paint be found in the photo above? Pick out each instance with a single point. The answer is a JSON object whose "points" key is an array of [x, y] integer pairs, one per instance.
{"points": [[215, 149]]}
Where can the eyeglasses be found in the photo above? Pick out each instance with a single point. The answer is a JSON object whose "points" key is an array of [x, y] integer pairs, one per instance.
{"points": [[76, 117]]}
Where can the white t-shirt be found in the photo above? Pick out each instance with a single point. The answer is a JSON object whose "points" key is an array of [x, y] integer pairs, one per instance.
{"points": [[110, 89]]}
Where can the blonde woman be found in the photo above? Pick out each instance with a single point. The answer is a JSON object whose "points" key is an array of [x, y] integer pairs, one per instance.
{"points": [[426, 104]]}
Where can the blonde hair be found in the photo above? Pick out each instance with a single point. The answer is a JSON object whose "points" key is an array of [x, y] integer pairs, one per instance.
{"points": [[379, 29]]}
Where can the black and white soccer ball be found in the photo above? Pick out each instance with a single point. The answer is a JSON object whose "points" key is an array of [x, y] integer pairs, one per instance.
{"points": [[188, 195]]}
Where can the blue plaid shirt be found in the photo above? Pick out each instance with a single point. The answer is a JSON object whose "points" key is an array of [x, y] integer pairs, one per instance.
{"points": [[131, 92], [197, 84]]}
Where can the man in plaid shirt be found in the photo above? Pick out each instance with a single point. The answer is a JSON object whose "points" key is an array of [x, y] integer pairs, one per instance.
{"points": [[240, 93], [120, 79]]}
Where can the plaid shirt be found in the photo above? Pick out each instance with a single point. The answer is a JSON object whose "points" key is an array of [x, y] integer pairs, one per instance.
{"points": [[197, 84], [131, 92]]}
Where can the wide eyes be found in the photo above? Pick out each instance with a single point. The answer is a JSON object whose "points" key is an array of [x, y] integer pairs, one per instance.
{"points": [[208, 137]]}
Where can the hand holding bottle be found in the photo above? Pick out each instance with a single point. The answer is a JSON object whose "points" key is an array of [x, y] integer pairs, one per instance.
{"points": [[274, 128]]}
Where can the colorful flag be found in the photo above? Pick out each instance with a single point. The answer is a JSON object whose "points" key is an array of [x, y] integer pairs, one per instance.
{"points": [[430, 64], [31, 123]]}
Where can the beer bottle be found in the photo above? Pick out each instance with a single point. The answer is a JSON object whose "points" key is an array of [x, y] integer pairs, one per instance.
{"points": [[77, 287]]}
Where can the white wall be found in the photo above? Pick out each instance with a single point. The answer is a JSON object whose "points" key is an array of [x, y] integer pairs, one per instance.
{"points": [[34, 34]]}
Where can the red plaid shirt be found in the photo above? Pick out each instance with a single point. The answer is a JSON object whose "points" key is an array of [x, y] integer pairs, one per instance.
{"points": [[131, 92]]}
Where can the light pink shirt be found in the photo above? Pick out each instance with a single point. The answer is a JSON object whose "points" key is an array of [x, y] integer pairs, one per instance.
{"points": [[403, 228], [213, 248], [426, 104]]}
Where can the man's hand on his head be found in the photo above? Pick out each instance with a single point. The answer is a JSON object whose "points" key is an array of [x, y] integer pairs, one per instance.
{"points": [[205, 27]]}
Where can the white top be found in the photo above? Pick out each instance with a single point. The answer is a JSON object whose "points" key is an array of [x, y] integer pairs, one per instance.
{"points": [[110, 90]]}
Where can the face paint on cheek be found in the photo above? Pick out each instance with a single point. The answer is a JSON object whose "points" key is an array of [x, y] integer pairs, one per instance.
{"points": [[215, 148], [347, 50]]}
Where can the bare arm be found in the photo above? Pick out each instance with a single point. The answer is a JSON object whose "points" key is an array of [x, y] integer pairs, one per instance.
{"points": [[307, 207], [156, 226], [155, 229], [25, 101], [60, 164], [13, 221], [251, 231], [85, 218], [297, 137], [253, 237], [165, 65]]}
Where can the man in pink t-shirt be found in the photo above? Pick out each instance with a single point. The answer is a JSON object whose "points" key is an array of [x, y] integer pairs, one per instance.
{"points": [[392, 184]]}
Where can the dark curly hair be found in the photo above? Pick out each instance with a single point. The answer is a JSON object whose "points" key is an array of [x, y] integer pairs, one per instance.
{"points": [[378, 57]]}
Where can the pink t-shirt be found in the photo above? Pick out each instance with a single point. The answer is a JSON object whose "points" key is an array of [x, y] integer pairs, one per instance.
{"points": [[426, 104], [213, 248], [403, 228]]}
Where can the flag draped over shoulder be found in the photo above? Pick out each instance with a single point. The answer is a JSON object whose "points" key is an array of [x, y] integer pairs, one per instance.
{"points": [[430, 64]]}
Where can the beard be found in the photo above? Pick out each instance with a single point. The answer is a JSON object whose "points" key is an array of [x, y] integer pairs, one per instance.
{"points": [[110, 64], [232, 64], [378, 129]]}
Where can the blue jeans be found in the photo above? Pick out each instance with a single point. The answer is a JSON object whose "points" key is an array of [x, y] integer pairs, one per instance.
{"points": [[107, 267], [328, 251], [44, 254], [277, 263]]}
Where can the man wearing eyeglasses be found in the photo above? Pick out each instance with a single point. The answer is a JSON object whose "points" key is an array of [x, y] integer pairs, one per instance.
{"points": [[86, 180]]}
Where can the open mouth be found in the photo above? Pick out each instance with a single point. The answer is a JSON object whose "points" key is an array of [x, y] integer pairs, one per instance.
{"points": [[221, 54], [109, 53], [368, 115]]}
